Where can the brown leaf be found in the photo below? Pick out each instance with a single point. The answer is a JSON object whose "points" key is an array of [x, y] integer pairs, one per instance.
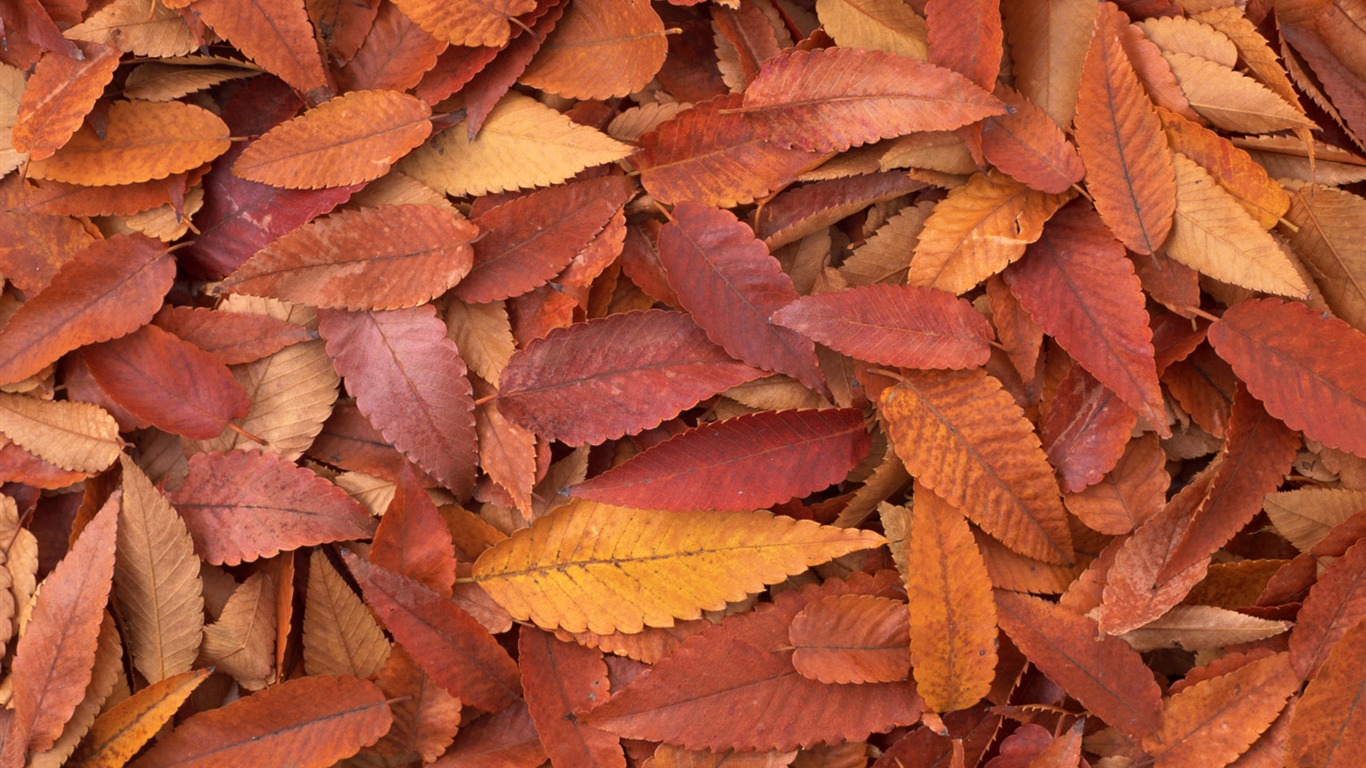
{"points": [[340, 635], [242, 642], [241, 506], [389, 257], [311, 721], [111, 288]]}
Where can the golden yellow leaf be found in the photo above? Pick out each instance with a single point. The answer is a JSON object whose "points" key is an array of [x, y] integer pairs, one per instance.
{"points": [[1214, 234], [78, 437], [242, 642], [156, 577], [601, 568], [142, 141], [978, 230], [141, 27], [350, 139], [1231, 100], [601, 49], [523, 144], [341, 637], [882, 25], [120, 732], [291, 391], [953, 614]]}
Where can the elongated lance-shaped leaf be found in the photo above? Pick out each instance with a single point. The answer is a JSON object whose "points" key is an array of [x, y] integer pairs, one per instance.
{"points": [[122, 730], [1330, 720], [596, 567]]}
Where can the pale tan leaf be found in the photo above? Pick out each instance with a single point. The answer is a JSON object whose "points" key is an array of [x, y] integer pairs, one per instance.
{"points": [[242, 642], [1231, 100], [882, 25], [1332, 245], [1047, 41], [978, 230], [1201, 628], [340, 635], [156, 578], [1178, 34], [78, 437], [373, 493], [1214, 234], [141, 27], [483, 334], [291, 391], [1306, 515], [886, 256], [21, 566], [11, 90], [523, 144], [165, 81], [166, 223], [632, 123], [1254, 50]]}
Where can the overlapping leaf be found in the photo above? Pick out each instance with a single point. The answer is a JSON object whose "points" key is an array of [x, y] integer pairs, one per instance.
{"points": [[851, 639], [475, 23], [600, 50], [60, 93], [571, 570], [560, 680], [273, 33]]}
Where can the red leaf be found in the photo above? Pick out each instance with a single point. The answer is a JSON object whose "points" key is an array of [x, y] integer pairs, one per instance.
{"points": [[409, 381], [1085, 430], [720, 689], [1334, 605], [505, 739], [730, 284], [1305, 367], [749, 462], [246, 505], [966, 38], [111, 288], [412, 539], [231, 337], [1102, 672], [452, 648], [1077, 285], [171, 384], [648, 365], [560, 681], [902, 325], [1029, 146], [530, 239]]}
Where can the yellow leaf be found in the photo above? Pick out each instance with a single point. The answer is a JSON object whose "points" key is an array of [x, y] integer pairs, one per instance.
{"points": [[340, 635], [156, 577], [978, 230], [1214, 234], [78, 437], [121, 731], [882, 25], [601, 568], [953, 613], [523, 144]]}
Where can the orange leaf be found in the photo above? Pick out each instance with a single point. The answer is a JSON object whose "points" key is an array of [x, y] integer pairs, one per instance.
{"points": [[601, 49], [965, 438], [1029, 146], [1133, 491], [1303, 366], [409, 381], [389, 257], [59, 95], [143, 140], [55, 655], [472, 23], [309, 722], [1214, 721], [412, 538], [966, 38], [242, 506], [111, 288], [829, 100], [352, 138], [123, 729], [1328, 726], [851, 639], [1233, 168], [1077, 285], [1128, 170], [901, 325], [953, 617], [171, 384], [273, 33], [1047, 47], [559, 681], [729, 282], [426, 716], [446, 642], [1102, 672]]}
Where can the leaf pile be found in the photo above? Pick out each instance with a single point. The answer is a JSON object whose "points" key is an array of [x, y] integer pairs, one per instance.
{"points": [[607, 383]]}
